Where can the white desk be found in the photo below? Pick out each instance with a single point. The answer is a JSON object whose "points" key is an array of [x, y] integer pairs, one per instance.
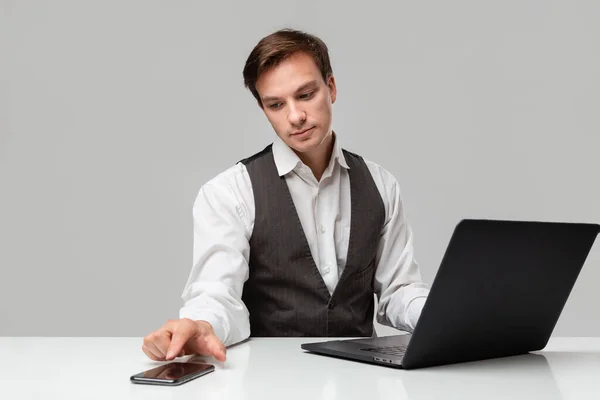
{"points": [[99, 368]]}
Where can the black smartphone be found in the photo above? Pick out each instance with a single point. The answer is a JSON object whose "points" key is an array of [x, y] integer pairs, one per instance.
{"points": [[172, 374]]}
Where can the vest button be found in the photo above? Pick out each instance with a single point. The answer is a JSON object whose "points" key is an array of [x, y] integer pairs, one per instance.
{"points": [[331, 304]]}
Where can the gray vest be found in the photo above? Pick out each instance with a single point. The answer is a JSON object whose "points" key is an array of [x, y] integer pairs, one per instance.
{"points": [[285, 293]]}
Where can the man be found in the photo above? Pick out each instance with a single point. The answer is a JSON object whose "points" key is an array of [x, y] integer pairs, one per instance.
{"points": [[295, 240]]}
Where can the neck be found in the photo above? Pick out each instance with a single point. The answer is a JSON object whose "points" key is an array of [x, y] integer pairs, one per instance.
{"points": [[318, 160]]}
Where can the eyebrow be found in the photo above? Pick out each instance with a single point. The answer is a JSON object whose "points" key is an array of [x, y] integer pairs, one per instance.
{"points": [[302, 87]]}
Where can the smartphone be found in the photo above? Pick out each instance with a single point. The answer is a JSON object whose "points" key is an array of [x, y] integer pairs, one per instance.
{"points": [[172, 374]]}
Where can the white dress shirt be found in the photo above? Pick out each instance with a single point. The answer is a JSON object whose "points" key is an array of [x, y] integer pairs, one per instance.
{"points": [[223, 216]]}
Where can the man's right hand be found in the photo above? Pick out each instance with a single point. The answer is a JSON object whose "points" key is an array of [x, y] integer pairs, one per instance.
{"points": [[178, 338]]}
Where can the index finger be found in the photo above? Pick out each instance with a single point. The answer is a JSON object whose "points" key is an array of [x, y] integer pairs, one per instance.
{"points": [[181, 334]]}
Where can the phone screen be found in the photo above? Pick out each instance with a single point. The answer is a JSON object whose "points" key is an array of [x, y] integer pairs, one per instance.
{"points": [[172, 373]]}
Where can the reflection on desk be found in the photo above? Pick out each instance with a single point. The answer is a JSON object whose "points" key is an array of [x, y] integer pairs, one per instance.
{"points": [[99, 368]]}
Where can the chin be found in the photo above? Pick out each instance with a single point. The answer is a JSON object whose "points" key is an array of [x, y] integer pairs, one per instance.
{"points": [[304, 145], [310, 142]]}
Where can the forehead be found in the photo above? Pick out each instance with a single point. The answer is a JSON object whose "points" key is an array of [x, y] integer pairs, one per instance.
{"points": [[288, 75]]}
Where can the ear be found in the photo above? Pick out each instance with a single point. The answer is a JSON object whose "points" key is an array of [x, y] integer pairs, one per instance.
{"points": [[332, 88]]}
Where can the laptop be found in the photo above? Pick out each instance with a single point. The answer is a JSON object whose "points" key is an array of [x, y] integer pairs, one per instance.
{"points": [[498, 292]]}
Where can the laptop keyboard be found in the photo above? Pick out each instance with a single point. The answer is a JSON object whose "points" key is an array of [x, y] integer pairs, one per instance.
{"points": [[389, 350]]}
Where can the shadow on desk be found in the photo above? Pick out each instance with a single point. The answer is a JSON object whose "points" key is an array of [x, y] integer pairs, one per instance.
{"points": [[527, 376]]}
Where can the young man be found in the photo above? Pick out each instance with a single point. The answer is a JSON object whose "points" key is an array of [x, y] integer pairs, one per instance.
{"points": [[296, 239]]}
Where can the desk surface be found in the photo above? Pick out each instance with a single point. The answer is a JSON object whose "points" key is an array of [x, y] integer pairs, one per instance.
{"points": [[99, 368]]}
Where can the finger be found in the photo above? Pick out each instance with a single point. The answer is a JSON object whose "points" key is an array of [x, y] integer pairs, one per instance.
{"points": [[150, 354], [216, 347], [162, 342], [155, 350], [180, 337]]}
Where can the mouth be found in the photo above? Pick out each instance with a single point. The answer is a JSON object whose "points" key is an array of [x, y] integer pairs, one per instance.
{"points": [[304, 132]]}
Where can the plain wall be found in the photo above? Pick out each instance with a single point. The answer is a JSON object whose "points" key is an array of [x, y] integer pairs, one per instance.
{"points": [[114, 113]]}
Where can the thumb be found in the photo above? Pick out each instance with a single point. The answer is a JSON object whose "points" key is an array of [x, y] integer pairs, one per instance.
{"points": [[216, 347]]}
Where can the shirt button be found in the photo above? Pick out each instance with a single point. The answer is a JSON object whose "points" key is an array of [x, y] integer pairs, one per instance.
{"points": [[326, 269], [322, 229]]}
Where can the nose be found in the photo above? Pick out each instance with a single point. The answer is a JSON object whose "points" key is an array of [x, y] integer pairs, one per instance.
{"points": [[296, 115]]}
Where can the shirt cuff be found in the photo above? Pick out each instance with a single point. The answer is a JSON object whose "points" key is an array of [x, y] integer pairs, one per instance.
{"points": [[413, 311]]}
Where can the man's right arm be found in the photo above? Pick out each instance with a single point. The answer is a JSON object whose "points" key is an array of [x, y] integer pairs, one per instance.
{"points": [[213, 315], [221, 252]]}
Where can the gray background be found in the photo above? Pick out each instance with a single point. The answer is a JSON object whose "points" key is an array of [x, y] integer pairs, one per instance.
{"points": [[114, 113]]}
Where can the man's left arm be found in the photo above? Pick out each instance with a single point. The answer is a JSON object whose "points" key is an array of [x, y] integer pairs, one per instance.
{"points": [[398, 284]]}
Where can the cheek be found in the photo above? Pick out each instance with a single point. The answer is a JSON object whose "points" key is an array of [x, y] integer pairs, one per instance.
{"points": [[323, 104], [277, 121], [323, 111]]}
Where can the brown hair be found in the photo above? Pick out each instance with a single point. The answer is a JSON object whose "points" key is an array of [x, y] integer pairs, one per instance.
{"points": [[278, 46]]}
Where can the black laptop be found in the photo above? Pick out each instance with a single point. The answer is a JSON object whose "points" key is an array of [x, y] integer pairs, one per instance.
{"points": [[498, 292]]}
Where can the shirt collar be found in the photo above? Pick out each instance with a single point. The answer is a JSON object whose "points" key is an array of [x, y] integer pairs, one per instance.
{"points": [[286, 160]]}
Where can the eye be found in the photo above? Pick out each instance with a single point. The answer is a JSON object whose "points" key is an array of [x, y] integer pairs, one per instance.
{"points": [[274, 106], [308, 95]]}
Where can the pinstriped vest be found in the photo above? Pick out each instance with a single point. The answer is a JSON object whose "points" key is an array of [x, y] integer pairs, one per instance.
{"points": [[285, 293]]}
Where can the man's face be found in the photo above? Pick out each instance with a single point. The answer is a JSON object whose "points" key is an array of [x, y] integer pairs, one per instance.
{"points": [[298, 103]]}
